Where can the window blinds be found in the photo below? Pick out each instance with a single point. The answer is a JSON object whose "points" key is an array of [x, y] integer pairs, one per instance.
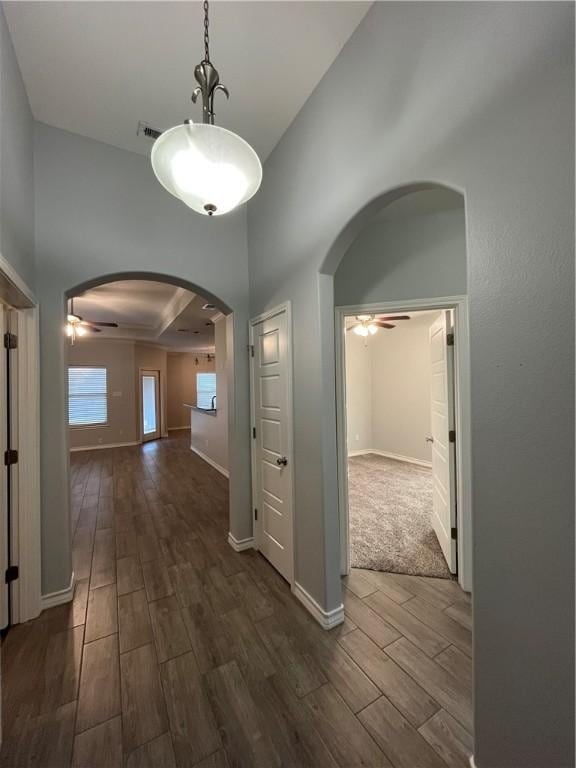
{"points": [[205, 389], [87, 396]]}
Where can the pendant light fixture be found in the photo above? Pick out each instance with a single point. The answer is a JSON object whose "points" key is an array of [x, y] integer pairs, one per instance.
{"points": [[209, 168]]}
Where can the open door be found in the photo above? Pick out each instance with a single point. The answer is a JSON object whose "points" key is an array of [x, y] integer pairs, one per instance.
{"points": [[150, 404], [443, 437]]}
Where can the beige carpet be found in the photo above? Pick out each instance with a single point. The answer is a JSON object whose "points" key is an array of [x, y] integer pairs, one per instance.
{"points": [[390, 504]]}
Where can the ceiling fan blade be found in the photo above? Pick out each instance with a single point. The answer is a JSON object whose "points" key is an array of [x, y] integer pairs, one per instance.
{"points": [[380, 324], [394, 317], [353, 326], [91, 328], [104, 325]]}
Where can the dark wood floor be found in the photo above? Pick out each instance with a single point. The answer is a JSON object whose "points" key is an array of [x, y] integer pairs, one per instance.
{"points": [[177, 651]]}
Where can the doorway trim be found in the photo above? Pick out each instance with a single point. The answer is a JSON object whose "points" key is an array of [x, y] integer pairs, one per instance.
{"points": [[26, 590], [141, 373], [462, 419], [287, 308]]}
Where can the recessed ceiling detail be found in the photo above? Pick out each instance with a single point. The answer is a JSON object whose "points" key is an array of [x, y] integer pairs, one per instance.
{"points": [[151, 312]]}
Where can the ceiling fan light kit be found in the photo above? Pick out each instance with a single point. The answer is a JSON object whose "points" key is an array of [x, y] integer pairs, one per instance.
{"points": [[368, 325], [210, 169], [76, 326], [364, 329]]}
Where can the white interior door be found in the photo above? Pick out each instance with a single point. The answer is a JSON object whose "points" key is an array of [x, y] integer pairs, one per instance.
{"points": [[443, 450], [150, 404], [272, 425]]}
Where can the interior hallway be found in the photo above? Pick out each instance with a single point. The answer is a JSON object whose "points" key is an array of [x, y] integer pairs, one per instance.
{"points": [[177, 651]]}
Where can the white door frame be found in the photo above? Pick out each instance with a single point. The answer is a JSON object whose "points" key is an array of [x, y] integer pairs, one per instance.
{"points": [[159, 423], [287, 308], [462, 419], [26, 590]]}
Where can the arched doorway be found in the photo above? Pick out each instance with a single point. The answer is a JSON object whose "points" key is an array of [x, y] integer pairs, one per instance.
{"points": [[57, 541], [166, 330], [408, 419], [140, 344], [152, 276], [410, 288]]}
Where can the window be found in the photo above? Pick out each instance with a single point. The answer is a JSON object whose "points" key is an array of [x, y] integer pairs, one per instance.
{"points": [[205, 390], [87, 396]]}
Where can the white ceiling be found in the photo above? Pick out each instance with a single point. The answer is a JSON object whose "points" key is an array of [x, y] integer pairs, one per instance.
{"points": [[152, 312], [97, 68]]}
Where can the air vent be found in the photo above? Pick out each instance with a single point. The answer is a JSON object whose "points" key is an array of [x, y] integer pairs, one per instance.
{"points": [[146, 130]]}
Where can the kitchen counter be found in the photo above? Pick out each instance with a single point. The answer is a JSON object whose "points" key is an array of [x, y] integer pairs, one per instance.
{"points": [[207, 411]]}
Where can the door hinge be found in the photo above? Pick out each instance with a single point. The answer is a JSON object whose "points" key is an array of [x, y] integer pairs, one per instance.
{"points": [[454, 533], [255, 514], [11, 573], [450, 339], [452, 435], [10, 457], [10, 341], [251, 348], [254, 432]]}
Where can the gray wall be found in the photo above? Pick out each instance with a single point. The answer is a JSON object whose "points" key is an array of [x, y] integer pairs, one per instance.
{"points": [[415, 248], [480, 97], [99, 210], [16, 164]]}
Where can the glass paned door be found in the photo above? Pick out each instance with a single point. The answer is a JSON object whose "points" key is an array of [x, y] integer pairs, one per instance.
{"points": [[150, 391]]}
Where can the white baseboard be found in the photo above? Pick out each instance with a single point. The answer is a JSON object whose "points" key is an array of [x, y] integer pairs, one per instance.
{"points": [[326, 619], [173, 429], [395, 456], [210, 461], [239, 545], [60, 597], [101, 446]]}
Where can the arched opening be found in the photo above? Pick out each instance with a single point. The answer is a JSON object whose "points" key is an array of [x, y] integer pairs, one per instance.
{"points": [[366, 214], [124, 427], [153, 276], [403, 254]]}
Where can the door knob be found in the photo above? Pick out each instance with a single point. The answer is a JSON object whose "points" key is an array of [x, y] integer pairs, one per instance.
{"points": [[282, 461], [429, 439]]}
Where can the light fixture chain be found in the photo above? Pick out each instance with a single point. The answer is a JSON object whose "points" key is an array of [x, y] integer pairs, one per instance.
{"points": [[206, 33]]}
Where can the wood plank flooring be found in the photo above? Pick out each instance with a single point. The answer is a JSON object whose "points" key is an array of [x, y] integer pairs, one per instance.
{"points": [[178, 652]]}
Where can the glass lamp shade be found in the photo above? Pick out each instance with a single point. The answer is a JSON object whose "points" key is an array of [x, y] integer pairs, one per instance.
{"points": [[210, 169]]}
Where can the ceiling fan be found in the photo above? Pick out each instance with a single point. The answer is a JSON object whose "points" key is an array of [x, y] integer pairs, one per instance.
{"points": [[77, 326], [369, 324]]}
